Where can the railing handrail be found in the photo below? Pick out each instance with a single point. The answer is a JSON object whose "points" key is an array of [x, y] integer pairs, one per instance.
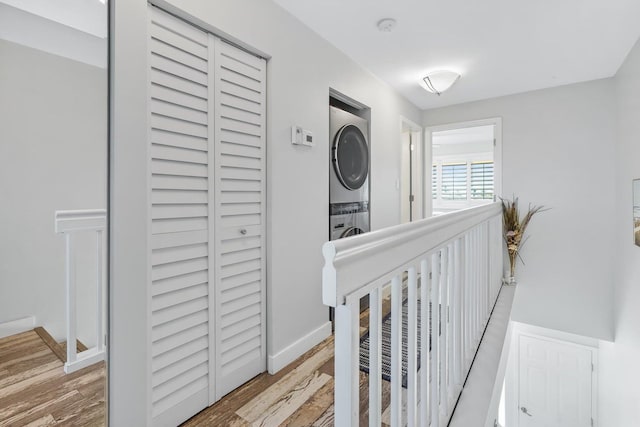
{"points": [[80, 220], [353, 264]]}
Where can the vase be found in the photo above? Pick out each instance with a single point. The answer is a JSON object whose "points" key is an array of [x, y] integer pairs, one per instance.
{"points": [[509, 280]]}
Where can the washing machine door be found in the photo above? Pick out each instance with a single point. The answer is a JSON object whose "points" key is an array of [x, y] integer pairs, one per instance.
{"points": [[351, 157], [351, 231]]}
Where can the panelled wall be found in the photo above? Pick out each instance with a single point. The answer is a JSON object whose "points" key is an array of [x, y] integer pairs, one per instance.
{"points": [[207, 183]]}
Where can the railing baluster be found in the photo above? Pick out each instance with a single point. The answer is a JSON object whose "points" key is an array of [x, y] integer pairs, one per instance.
{"points": [[396, 351], [478, 284], [451, 330], [375, 357], [412, 347], [347, 345], [444, 304], [425, 325], [71, 298], [457, 313], [435, 340], [487, 266], [99, 291], [485, 277], [467, 299]]}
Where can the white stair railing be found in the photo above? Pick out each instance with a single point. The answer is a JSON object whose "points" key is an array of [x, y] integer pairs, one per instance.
{"points": [[451, 265], [70, 223]]}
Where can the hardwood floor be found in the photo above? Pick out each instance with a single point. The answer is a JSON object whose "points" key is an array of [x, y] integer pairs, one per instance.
{"points": [[35, 391], [299, 395]]}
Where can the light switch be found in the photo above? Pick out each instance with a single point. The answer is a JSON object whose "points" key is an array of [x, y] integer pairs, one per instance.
{"points": [[296, 135]]}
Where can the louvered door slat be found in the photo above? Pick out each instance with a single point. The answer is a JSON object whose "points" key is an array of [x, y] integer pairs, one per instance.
{"points": [[229, 100], [173, 96], [239, 55], [169, 109], [179, 239], [162, 78], [170, 52], [159, 136], [161, 196], [170, 182], [230, 87], [172, 284], [181, 255], [179, 69], [186, 322], [237, 64], [177, 38]]}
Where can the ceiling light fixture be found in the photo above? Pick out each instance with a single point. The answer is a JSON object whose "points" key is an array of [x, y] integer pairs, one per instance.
{"points": [[440, 81], [386, 25]]}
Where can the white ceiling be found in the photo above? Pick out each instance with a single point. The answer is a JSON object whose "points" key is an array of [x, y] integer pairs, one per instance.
{"points": [[500, 47]]}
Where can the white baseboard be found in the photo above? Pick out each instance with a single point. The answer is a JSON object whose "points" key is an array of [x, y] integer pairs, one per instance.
{"points": [[283, 358], [17, 326]]}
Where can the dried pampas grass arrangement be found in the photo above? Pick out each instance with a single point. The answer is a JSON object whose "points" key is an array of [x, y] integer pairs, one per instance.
{"points": [[514, 227]]}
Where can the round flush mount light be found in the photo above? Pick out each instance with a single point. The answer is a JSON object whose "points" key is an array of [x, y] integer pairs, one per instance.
{"points": [[386, 25], [440, 81]]}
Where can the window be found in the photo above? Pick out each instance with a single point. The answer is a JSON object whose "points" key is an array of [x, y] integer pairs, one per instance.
{"points": [[454, 181], [482, 180]]}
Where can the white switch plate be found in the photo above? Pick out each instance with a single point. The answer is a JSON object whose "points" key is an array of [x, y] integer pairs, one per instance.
{"points": [[296, 135]]}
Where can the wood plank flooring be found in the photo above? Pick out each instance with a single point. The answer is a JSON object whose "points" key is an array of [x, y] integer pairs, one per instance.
{"points": [[35, 391], [299, 395]]}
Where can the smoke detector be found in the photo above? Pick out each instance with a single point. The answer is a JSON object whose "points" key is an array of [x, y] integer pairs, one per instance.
{"points": [[386, 25]]}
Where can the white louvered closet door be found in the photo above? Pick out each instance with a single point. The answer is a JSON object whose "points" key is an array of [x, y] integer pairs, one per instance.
{"points": [[207, 165], [240, 105]]}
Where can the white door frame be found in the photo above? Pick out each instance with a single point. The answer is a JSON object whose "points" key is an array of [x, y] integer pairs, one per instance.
{"points": [[512, 380], [418, 175], [497, 154]]}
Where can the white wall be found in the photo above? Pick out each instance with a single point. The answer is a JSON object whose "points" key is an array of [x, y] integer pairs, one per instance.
{"points": [[53, 156], [300, 72], [301, 69], [558, 151], [620, 370]]}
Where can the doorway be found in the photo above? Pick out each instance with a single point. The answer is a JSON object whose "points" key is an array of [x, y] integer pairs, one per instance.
{"points": [[411, 171], [555, 383], [466, 164]]}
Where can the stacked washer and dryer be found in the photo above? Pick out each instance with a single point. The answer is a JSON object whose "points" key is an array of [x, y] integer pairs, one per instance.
{"points": [[348, 175]]}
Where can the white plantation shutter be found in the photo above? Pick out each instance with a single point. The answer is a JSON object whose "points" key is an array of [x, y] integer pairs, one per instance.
{"points": [[482, 180], [207, 182], [434, 181], [453, 181], [180, 218], [240, 216]]}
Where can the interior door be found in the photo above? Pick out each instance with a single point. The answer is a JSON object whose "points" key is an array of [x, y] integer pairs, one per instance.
{"points": [[207, 182], [555, 384], [181, 141], [240, 195]]}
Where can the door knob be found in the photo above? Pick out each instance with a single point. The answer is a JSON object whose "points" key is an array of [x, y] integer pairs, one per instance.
{"points": [[243, 231], [525, 411]]}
